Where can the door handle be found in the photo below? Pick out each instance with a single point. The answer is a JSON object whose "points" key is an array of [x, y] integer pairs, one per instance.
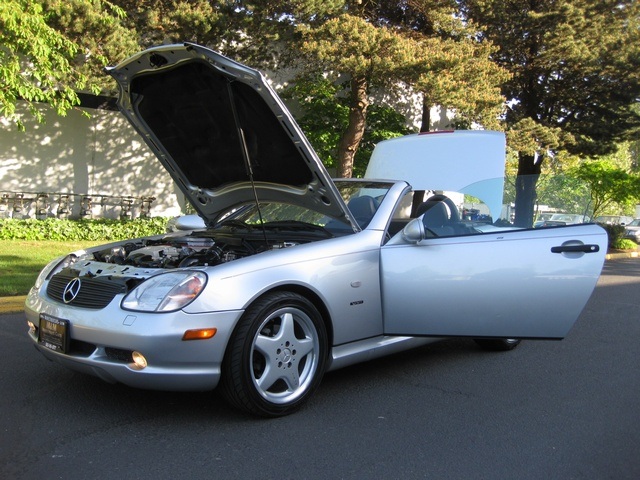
{"points": [[576, 249]]}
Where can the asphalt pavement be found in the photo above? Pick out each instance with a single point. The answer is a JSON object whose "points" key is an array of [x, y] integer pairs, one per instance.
{"points": [[547, 410]]}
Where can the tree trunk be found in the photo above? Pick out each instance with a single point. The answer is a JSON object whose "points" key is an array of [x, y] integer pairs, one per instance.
{"points": [[425, 125], [528, 174], [352, 137]]}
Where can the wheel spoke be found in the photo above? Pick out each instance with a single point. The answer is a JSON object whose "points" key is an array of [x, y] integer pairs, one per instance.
{"points": [[287, 332], [291, 378], [270, 376], [304, 347], [267, 346]]}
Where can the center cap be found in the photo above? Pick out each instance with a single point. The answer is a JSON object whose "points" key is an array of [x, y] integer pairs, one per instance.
{"points": [[286, 355]]}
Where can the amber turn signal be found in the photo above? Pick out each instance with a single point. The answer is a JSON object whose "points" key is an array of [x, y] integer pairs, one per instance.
{"points": [[199, 334]]}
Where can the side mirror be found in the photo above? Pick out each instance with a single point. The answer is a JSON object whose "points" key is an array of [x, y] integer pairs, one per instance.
{"points": [[414, 231], [187, 222]]}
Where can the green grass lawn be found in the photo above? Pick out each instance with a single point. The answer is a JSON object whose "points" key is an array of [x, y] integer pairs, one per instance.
{"points": [[22, 260]]}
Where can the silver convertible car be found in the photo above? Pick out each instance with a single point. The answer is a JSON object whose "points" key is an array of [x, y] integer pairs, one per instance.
{"points": [[295, 274]]}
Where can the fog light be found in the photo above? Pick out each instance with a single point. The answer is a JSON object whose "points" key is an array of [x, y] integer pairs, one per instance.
{"points": [[139, 360], [32, 327]]}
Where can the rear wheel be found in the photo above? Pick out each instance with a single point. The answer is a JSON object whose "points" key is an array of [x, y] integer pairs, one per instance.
{"points": [[498, 344], [276, 356]]}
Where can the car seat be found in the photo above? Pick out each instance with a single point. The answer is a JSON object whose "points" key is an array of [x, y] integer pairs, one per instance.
{"points": [[363, 208], [437, 216]]}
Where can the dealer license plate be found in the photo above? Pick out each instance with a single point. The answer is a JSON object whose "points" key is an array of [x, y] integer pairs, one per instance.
{"points": [[54, 333]]}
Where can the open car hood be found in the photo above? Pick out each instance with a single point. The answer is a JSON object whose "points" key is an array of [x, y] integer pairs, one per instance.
{"points": [[221, 130]]}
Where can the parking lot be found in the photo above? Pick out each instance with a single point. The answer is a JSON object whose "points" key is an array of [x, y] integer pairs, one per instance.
{"points": [[547, 410]]}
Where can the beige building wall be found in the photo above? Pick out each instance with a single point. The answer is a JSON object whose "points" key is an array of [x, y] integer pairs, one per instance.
{"points": [[100, 157]]}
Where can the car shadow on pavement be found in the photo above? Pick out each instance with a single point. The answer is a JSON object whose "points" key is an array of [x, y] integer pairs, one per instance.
{"points": [[623, 266]]}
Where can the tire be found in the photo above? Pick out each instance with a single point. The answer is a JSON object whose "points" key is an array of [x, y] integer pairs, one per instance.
{"points": [[498, 344], [276, 356]]}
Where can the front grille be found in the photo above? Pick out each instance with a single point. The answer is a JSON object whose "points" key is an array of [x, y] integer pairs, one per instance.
{"points": [[80, 348], [119, 355], [94, 292]]}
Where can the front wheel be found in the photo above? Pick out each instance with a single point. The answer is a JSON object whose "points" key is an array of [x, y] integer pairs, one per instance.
{"points": [[498, 344], [276, 356]]}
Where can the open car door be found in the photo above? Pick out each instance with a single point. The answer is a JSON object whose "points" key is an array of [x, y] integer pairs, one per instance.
{"points": [[461, 267], [511, 284]]}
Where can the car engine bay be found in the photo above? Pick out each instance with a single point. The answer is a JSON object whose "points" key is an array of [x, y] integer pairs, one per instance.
{"points": [[119, 268], [210, 247]]}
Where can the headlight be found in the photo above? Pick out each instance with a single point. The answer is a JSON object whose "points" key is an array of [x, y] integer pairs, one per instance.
{"points": [[166, 292], [54, 267]]}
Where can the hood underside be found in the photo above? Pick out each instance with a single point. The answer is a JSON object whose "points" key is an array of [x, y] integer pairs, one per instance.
{"points": [[221, 132]]}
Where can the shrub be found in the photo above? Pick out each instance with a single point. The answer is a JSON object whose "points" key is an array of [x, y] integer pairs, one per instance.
{"points": [[624, 244], [614, 233], [80, 230]]}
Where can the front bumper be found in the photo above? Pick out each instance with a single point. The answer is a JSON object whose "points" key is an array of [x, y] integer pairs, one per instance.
{"points": [[102, 342]]}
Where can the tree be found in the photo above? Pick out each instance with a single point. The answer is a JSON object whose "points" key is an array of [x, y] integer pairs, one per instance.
{"points": [[98, 29], [608, 184], [369, 56], [325, 116], [454, 69], [40, 63], [256, 32], [413, 45], [575, 82]]}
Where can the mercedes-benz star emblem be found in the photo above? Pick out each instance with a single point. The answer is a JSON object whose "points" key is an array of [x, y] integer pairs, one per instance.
{"points": [[71, 290]]}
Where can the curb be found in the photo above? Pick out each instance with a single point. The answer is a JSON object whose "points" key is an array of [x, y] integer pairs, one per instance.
{"points": [[10, 305], [616, 255]]}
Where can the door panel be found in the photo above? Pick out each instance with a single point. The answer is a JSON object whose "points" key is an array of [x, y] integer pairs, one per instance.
{"points": [[520, 284]]}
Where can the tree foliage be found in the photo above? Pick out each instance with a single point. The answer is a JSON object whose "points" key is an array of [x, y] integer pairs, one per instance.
{"points": [[460, 76], [325, 115], [256, 32], [98, 29], [453, 69], [35, 61], [418, 44], [569, 69], [575, 68], [368, 56], [575, 81], [49, 50], [608, 184]]}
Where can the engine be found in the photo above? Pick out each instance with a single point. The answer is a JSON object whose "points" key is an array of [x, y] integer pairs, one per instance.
{"points": [[181, 252]]}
